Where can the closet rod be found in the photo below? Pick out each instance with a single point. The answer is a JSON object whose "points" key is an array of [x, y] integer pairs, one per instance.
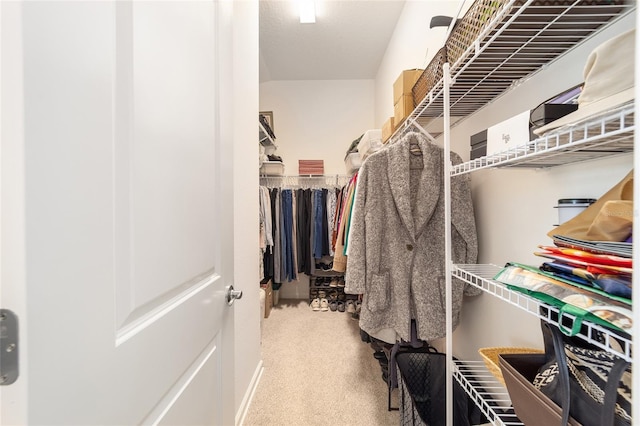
{"points": [[297, 180]]}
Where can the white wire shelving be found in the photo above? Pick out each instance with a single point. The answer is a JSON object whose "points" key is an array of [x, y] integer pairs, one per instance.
{"points": [[486, 391], [263, 136], [305, 181], [481, 276], [522, 39], [611, 133]]}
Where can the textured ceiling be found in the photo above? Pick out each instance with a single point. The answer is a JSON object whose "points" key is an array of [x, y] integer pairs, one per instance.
{"points": [[347, 41]]}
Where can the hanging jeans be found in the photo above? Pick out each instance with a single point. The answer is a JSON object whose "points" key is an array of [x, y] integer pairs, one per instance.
{"points": [[318, 215], [286, 237]]}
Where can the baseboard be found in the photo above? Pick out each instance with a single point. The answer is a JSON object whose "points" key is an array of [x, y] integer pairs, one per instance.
{"points": [[248, 396]]}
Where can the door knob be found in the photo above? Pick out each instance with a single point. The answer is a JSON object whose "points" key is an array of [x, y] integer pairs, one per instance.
{"points": [[232, 295]]}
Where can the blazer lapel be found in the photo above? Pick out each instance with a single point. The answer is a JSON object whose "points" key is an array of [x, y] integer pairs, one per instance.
{"points": [[398, 174], [430, 187]]}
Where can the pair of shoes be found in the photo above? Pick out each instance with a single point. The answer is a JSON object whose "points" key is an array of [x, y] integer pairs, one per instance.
{"points": [[315, 304], [324, 266], [340, 306], [324, 305], [351, 306]]}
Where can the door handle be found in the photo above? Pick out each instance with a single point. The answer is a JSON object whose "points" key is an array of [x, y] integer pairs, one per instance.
{"points": [[232, 295]]}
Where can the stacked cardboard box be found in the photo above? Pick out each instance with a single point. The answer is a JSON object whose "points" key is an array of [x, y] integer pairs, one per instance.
{"points": [[387, 129], [403, 95]]}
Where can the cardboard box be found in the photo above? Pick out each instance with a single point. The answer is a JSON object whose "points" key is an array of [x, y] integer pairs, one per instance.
{"points": [[387, 129], [510, 133], [403, 108], [268, 301], [404, 83]]}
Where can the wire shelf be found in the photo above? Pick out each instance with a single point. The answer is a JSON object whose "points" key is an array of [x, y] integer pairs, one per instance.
{"points": [[481, 276], [521, 41], [486, 391], [303, 181], [611, 133], [265, 139]]}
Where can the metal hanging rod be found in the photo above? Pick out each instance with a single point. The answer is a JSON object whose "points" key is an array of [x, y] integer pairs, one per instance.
{"points": [[304, 180]]}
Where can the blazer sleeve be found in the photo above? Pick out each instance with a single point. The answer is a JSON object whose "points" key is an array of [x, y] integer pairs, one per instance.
{"points": [[465, 237], [355, 276]]}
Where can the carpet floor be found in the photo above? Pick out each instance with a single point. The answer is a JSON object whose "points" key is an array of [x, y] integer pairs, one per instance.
{"points": [[317, 371]]}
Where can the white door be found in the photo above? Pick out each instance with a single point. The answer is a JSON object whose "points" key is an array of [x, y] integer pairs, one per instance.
{"points": [[115, 242]]}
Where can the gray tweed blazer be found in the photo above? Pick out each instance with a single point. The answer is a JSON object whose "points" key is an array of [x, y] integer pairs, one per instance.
{"points": [[396, 240]]}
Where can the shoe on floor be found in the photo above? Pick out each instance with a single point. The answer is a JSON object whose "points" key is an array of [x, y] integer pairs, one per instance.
{"points": [[333, 305], [340, 306], [315, 304], [351, 307], [324, 305]]}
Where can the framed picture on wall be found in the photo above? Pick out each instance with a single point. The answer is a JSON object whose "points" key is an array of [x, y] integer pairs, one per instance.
{"points": [[268, 116]]}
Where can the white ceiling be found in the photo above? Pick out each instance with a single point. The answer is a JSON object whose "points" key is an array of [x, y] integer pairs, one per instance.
{"points": [[348, 40]]}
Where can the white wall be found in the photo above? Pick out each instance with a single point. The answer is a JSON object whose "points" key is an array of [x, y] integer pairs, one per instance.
{"points": [[513, 208], [316, 120], [412, 45], [245, 182]]}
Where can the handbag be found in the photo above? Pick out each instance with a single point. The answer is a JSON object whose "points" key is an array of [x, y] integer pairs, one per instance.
{"points": [[590, 384]]}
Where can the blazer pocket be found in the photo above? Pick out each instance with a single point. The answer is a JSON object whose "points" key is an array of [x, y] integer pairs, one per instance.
{"points": [[378, 292]]}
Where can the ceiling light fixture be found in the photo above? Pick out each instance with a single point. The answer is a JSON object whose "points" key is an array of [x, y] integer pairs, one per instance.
{"points": [[307, 11]]}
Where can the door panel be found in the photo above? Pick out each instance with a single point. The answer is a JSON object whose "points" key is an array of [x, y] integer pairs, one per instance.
{"points": [[125, 228]]}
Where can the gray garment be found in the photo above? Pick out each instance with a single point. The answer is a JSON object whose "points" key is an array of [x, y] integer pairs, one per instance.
{"points": [[277, 258], [396, 241]]}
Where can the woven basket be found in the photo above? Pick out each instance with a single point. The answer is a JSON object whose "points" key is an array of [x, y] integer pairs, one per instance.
{"points": [[482, 12], [490, 357], [468, 29], [429, 77]]}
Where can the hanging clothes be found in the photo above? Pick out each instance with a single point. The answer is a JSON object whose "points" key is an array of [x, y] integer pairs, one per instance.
{"points": [[340, 258], [277, 248], [396, 240], [303, 226], [301, 221], [289, 266]]}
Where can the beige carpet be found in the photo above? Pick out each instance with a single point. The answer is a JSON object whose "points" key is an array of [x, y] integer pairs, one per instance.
{"points": [[317, 371]]}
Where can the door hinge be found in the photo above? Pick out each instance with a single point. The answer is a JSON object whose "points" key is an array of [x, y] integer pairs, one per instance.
{"points": [[9, 370]]}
